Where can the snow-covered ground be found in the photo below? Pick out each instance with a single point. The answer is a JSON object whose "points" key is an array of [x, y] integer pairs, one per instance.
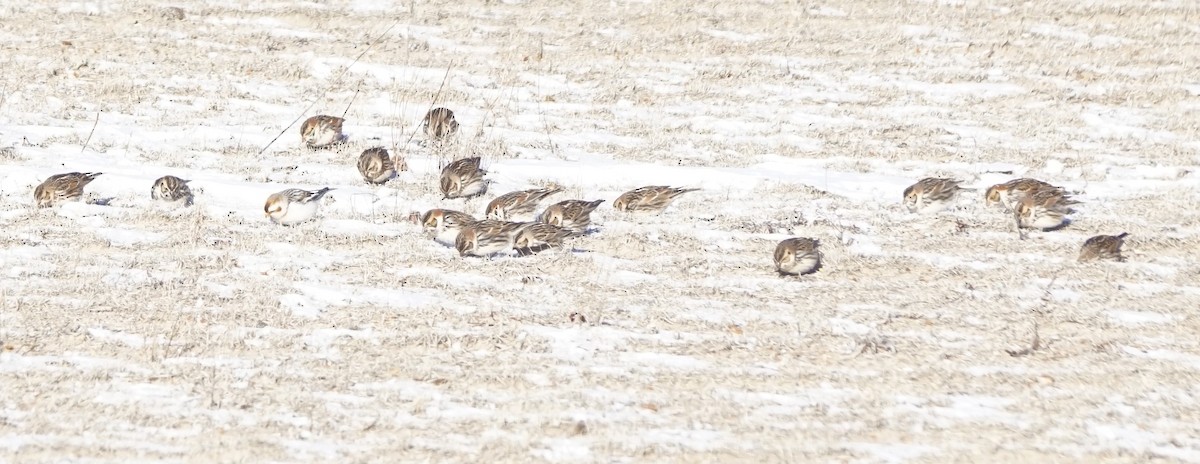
{"points": [[134, 333]]}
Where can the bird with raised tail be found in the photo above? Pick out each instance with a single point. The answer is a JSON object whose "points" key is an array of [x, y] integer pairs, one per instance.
{"points": [[520, 202], [1009, 193], [649, 199], [932, 194], [293, 206], [62, 187], [1044, 210], [573, 215], [487, 237], [535, 237]]}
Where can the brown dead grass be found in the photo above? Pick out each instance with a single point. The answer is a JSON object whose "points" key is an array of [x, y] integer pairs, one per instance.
{"points": [[690, 348]]}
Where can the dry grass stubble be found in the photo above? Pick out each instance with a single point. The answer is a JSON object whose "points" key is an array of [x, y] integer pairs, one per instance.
{"points": [[225, 339]]}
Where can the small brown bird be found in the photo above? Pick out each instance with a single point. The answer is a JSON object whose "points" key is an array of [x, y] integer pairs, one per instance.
{"points": [[652, 199], [463, 179], [62, 187], [797, 256], [1009, 193], [1103, 247], [535, 237], [322, 131], [932, 194], [376, 165], [446, 224], [1045, 209], [293, 206], [519, 202], [439, 124], [171, 189], [487, 237], [573, 215]]}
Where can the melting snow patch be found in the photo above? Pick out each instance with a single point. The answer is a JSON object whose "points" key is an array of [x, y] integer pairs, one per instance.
{"points": [[1127, 437], [839, 326], [892, 452], [124, 393], [1064, 294], [125, 277], [979, 409], [326, 337], [1164, 355], [343, 296], [630, 277], [406, 388], [982, 371], [577, 343], [564, 450], [105, 335], [827, 11], [733, 36], [863, 246], [695, 440], [83, 213], [1139, 317], [455, 412], [127, 237], [300, 305], [664, 360], [308, 448]]}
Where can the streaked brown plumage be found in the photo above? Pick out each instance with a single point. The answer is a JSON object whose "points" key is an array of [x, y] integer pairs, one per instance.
{"points": [[463, 179], [1103, 247], [322, 131], [932, 194], [293, 206], [519, 202], [376, 166], [797, 256], [171, 189], [1009, 193], [1044, 209], [446, 224], [574, 215], [487, 237], [653, 199], [62, 187], [439, 124], [537, 236]]}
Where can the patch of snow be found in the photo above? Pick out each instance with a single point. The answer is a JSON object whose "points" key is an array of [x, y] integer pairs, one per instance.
{"points": [[120, 338], [1127, 317]]}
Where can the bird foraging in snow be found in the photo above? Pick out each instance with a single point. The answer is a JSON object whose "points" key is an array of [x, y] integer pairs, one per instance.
{"points": [[293, 206], [62, 187]]}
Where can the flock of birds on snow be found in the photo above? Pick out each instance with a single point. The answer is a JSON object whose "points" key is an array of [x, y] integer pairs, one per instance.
{"points": [[1034, 204]]}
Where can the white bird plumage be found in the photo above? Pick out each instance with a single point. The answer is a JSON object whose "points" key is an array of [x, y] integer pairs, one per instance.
{"points": [[293, 206]]}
